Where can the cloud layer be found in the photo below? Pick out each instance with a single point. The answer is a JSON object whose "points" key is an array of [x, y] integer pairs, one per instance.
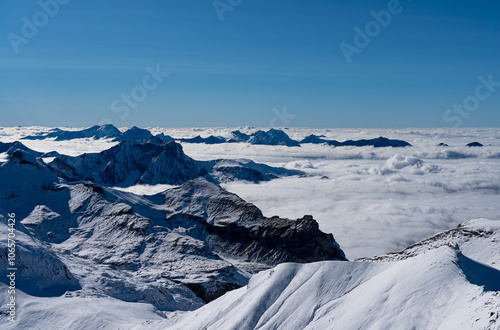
{"points": [[374, 200]]}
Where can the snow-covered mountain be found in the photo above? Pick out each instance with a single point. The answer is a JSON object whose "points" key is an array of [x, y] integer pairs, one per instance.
{"points": [[273, 137], [174, 250], [237, 136], [96, 132], [131, 162], [156, 161]]}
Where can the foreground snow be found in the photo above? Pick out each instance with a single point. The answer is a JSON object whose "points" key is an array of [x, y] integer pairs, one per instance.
{"points": [[449, 281]]}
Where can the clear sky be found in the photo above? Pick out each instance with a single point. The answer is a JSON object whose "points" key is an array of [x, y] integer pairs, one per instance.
{"points": [[231, 62]]}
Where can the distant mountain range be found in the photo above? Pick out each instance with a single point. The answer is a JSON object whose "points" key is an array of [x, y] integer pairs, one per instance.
{"points": [[270, 137], [98, 132]]}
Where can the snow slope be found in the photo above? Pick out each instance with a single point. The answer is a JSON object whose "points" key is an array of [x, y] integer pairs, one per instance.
{"points": [[440, 287]]}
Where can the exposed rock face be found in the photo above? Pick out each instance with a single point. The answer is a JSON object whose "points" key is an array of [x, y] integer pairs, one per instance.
{"points": [[241, 229]]}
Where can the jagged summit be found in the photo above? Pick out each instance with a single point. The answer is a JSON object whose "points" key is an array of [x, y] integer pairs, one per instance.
{"points": [[131, 162]]}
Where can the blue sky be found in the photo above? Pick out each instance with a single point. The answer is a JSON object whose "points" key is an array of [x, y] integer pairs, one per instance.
{"points": [[79, 66]]}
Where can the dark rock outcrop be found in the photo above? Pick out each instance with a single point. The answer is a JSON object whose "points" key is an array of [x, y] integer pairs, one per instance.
{"points": [[379, 142]]}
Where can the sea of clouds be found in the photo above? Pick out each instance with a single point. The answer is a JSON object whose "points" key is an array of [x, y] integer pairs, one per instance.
{"points": [[374, 200]]}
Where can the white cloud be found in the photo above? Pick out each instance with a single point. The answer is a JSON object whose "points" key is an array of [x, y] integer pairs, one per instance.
{"points": [[374, 200]]}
